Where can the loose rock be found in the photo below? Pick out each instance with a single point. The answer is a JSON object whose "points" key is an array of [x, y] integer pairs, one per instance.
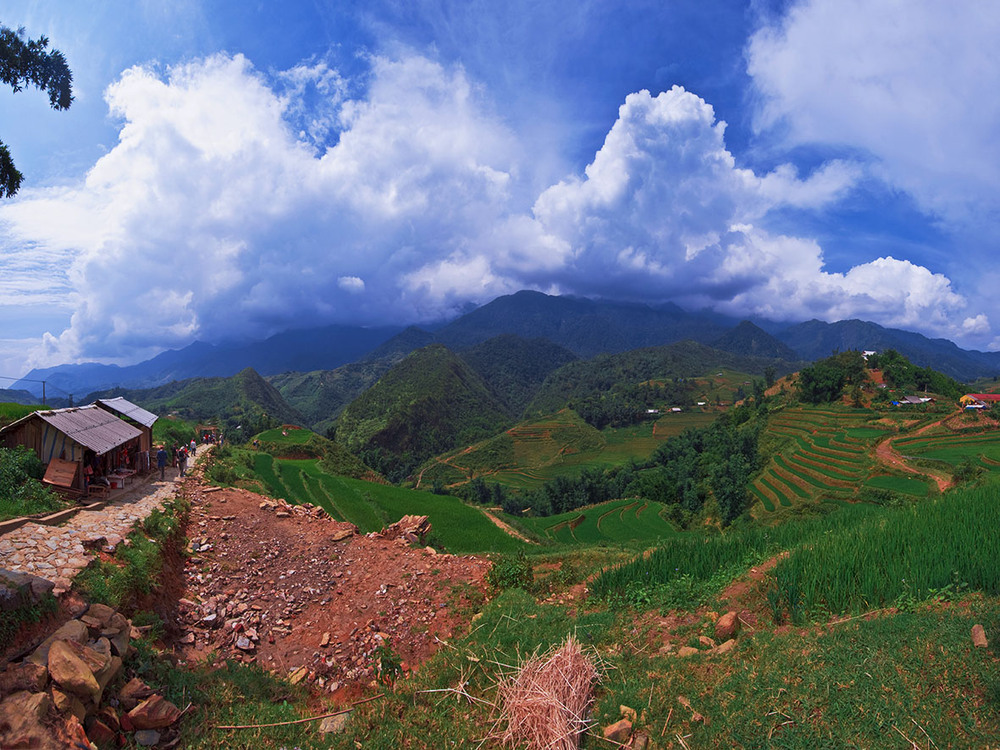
{"points": [[727, 627], [979, 639]]}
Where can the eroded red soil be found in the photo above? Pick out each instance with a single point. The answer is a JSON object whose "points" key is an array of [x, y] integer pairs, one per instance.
{"points": [[267, 583]]}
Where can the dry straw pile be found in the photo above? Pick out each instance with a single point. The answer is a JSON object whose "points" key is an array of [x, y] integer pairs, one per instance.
{"points": [[544, 704]]}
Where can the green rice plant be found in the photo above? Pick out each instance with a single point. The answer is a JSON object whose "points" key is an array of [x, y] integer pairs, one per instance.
{"points": [[777, 488], [353, 504], [913, 551], [722, 556], [265, 470], [461, 528], [320, 497], [906, 485], [792, 482]]}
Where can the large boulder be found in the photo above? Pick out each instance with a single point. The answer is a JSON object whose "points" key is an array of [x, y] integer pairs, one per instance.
{"points": [[23, 676], [71, 630], [17, 589], [69, 669]]}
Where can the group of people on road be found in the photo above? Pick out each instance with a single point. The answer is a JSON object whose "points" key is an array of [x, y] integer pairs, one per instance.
{"points": [[180, 454]]}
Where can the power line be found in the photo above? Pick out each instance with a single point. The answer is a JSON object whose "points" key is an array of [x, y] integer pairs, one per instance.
{"points": [[44, 383]]}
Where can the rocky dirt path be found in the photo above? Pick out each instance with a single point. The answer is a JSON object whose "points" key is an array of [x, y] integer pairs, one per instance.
{"points": [[58, 553], [887, 454]]}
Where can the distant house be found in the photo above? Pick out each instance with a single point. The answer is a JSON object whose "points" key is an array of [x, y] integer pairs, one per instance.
{"points": [[675, 409], [980, 400], [652, 411], [868, 353], [75, 435], [916, 400]]}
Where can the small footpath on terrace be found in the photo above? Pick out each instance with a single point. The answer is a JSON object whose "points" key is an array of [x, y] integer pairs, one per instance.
{"points": [[58, 553]]}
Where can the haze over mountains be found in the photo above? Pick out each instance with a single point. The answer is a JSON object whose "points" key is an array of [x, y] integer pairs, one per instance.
{"points": [[584, 327]]}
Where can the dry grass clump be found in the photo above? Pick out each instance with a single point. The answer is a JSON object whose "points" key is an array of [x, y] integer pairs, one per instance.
{"points": [[545, 703]]}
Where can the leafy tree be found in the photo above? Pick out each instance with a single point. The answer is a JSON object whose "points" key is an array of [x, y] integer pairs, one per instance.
{"points": [[822, 382], [26, 62]]}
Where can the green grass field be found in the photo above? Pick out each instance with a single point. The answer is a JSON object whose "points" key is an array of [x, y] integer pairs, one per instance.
{"points": [[284, 436], [13, 412], [458, 527], [616, 521], [905, 485]]}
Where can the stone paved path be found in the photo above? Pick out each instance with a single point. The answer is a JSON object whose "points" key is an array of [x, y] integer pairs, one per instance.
{"points": [[57, 553]]}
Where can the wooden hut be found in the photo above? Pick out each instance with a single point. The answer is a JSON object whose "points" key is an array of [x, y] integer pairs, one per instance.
{"points": [[76, 435], [137, 417]]}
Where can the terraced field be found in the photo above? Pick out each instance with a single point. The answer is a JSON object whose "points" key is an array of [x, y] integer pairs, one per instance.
{"points": [[369, 506], [952, 448], [614, 521], [827, 456]]}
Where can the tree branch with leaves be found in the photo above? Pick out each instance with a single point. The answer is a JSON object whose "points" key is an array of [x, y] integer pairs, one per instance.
{"points": [[28, 62]]}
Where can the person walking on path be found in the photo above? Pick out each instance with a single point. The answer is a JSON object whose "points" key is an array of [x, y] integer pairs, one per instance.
{"points": [[182, 460], [161, 461], [194, 447]]}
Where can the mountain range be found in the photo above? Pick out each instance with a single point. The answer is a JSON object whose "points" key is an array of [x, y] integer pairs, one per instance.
{"points": [[584, 327]]}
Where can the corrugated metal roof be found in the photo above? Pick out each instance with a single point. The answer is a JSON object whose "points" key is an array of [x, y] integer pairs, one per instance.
{"points": [[130, 410], [91, 426]]}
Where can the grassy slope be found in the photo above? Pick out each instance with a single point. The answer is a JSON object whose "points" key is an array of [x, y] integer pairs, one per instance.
{"points": [[13, 412], [244, 398], [862, 683], [685, 360], [321, 395], [458, 527]]}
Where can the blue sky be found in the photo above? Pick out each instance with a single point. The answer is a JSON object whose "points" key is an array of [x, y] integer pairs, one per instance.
{"points": [[233, 169]]}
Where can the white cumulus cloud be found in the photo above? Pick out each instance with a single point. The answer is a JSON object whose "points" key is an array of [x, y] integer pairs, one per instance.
{"points": [[211, 217], [911, 83], [222, 212]]}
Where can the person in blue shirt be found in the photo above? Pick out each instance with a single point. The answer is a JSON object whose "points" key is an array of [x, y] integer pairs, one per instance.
{"points": [[161, 460]]}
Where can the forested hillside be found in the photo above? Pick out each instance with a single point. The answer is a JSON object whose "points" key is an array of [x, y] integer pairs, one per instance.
{"points": [[244, 404], [615, 389], [515, 368], [429, 403]]}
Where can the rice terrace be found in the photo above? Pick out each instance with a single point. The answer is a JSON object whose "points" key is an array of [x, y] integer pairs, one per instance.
{"points": [[686, 541]]}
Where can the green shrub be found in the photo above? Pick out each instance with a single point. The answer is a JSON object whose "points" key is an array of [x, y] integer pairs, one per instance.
{"points": [[511, 572], [21, 493]]}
